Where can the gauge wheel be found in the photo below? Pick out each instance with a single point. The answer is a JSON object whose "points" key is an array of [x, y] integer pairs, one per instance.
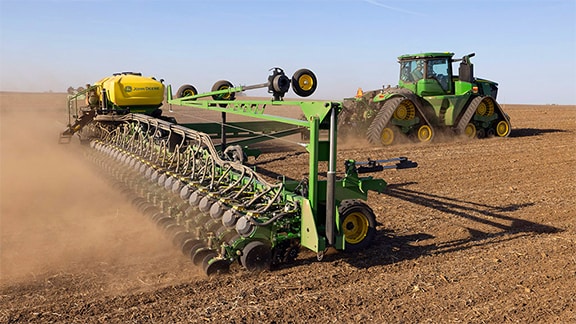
{"points": [[223, 85], [425, 133], [358, 224], [256, 256], [186, 90], [304, 82]]}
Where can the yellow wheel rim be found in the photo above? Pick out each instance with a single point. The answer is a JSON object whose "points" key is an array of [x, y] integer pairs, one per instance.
{"points": [[425, 133], [188, 92], [405, 111], [387, 136], [225, 96], [355, 227], [305, 82], [485, 108], [470, 130], [502, 128]]}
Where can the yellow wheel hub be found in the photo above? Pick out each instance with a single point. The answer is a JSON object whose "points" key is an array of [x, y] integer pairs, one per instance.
{"points": [[387, 136], [485, 108], [470, 130], [502, 129], [306, 82], [425, 133], [225, 96], [405, 111], [355, 227]]}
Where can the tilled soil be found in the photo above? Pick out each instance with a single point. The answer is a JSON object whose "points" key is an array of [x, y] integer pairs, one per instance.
{"points": [[482, 231]]}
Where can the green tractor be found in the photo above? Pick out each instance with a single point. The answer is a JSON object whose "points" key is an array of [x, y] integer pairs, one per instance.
{"points": [[429, 98]]}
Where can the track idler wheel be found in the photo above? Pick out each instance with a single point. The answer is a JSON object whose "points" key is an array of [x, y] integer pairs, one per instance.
{"points": [[503, 128], [425, 133], [470, 130], [256, 256], [387, 136]]}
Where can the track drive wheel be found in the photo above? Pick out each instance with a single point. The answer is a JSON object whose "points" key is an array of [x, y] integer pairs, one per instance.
{"points": [[304, 82], [425, 133], [256, 256], [503, 128], [186, 90], [359, 224]]}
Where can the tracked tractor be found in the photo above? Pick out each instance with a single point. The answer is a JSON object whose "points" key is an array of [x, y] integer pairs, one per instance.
{"points": [[429, 98]]}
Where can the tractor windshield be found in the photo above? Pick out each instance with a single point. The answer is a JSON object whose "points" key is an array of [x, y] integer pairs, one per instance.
{"points": [[412, 71], [437, 69]]}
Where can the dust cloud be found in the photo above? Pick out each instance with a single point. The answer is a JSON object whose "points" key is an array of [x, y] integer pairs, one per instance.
{"points": [[58, 214]]}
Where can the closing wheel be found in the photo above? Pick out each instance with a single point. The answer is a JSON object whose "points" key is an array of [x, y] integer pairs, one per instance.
{"points": [[186, 90], [358, 225], [503, 128], [470, 130], [198, 254], [187, 245], [212, 264], [223, 85], [425, 133], [304, 82], [256, 256]]}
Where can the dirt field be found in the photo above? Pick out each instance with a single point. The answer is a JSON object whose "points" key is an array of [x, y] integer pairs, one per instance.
{"points": [[482, 231]]}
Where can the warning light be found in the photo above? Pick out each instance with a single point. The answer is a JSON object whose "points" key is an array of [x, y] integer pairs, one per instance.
{"points": [[359, 93]]}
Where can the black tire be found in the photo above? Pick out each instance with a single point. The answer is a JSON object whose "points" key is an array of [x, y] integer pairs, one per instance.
{"points": [[222, 85], [382, 120], [186, 90], [304, 82], [213, 265], [358, 224], [256, 256]]}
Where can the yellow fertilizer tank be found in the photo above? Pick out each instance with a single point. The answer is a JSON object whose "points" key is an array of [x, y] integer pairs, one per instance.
{"points": [[131, 90]]}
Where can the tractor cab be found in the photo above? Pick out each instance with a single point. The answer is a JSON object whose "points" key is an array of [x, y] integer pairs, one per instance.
{"points": [[427, 74], [431, 74]]}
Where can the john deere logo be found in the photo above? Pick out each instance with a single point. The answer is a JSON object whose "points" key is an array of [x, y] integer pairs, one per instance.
{"points": [[128, 88]]}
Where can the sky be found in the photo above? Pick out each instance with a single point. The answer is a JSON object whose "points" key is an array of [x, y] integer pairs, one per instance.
{"points": [[527, 46]]}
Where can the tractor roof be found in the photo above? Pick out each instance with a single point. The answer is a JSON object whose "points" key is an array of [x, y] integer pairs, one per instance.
{"points": [[408, 57]]}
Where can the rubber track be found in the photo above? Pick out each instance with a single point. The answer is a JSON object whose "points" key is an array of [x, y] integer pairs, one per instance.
{"points": [[381, 120], [467, 116]]}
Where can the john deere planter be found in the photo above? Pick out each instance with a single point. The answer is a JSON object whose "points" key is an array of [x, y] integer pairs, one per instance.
{"points": [[214, 208]]}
